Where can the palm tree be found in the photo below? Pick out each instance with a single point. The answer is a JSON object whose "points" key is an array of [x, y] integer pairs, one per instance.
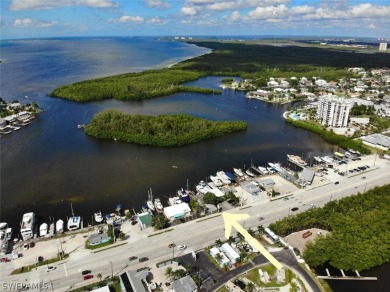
{"points": [[218, 257], [218, 242], [249, 287], [99, 276], [260, 229], [168, 272], [230, 239], [251, 232]]}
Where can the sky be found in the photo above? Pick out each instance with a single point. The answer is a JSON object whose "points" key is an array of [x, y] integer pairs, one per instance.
{"points": [[58, 18]]}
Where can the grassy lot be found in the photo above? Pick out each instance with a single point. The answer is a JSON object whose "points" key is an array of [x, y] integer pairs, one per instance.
{"points": [[27, 269]]}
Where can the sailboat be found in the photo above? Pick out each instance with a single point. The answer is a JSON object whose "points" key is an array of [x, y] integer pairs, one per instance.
{"points": [[59, 226], [43, 229], [149, 203], [74, 221], [158, 205]]}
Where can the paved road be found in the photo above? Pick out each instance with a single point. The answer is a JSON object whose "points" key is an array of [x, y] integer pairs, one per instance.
{"points": [[196, 235]]}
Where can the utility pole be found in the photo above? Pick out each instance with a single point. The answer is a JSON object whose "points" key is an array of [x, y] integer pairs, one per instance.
{"points": [[112, 272]]}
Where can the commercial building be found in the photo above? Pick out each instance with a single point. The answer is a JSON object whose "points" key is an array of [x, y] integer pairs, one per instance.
{"points": [[184, 284], [333, 111], [378, 141], [382, 46]]}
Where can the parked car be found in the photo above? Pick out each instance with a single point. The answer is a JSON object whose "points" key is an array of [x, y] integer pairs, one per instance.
{"points": [[89, 276], [181, 247], [134, 222], [336, 183], [50, 268], [85, 272], [294, 209], [31, 244], [143, 259], [171, 245], [363, 177], [132, 258]]}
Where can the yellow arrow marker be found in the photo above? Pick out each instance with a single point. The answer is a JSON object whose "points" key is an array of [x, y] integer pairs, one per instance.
{"points": [[231, 220]]}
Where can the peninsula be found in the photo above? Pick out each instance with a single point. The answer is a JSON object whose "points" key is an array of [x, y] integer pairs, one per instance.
{"points": [[163, 130]]}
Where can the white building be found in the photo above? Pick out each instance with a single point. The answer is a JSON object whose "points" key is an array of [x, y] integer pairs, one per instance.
{"points": [[333, 111], [177, 211], [382, 46], [232, 255]]}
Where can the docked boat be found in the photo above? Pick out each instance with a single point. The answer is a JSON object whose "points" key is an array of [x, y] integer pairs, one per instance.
{"points": [[3, 242], [296, 160], [276, 167], [271, 170], [263, 170], [158, 205], [202, 187], [216, 180], [59, 226], [174, 201], [28, 226], [238, 172], [149, 203], [98, 217], [119, 207], [184, 195], [74, 221], [43, 229], [8, 233], [223, 177], [250, 173], [3, 226]]}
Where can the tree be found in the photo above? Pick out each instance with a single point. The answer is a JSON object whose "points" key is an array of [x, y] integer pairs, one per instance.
{"points": [[159, 222], [194, 205], [210, 198], [99, 276], [218, 257], [121, 236], [250, 287], [218, 242], [230, 239], [168, 272], [251, 232], [260, 229]]}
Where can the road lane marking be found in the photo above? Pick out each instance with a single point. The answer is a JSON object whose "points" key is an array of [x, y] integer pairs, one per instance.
{"points": [[66, 271]]}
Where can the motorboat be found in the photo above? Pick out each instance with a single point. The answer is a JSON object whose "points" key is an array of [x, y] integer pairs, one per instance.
{"points": [[8, 233], [98, 217], [223, 177], [238, 171], [119, 207], [184, 195], [296, 160], [174, 201], [276, 166], [271, 170], [216, 180], [28, 226], [3, 226], [158, 205], [202, 187], [74, 223], [59, 226], [43, 229], [263, 170]]}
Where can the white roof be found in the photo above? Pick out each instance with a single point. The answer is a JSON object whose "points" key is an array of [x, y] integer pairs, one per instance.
{"points": [[230, 252], [177, 210], [102, 289], [217, 192]]}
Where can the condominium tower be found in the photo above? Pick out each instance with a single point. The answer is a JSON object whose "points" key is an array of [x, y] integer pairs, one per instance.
{"points": [[382, 46], [333, 111]]}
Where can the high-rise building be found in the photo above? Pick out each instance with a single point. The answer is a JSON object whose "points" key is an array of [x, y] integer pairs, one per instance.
{"points": [[382, 46], [333, 111]]}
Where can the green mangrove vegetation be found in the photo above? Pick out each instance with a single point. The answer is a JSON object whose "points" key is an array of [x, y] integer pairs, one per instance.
{"points": [[132, 86], [359, 231], [162, 130], [342, 141]]}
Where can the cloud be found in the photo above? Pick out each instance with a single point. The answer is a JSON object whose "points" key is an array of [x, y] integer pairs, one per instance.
{"points": [[186, 10], [157, 4], [271, 12], [372, 26], [156, 20], [28, 22], [235, 16], [128, 18], [223, 5], [302, 9], [49, 4]]}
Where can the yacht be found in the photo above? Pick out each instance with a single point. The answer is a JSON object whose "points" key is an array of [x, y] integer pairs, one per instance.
{"points": [[296, 160], [174, 201], [74, 221], [157, 204], [28, 226], [216, 181], [98, 217], [3, 226], [202, 187], [149, 203], [238, 172], [59, 226], [223, 177], [271, 170], [3, 242], [43, 229], [276, 166]]}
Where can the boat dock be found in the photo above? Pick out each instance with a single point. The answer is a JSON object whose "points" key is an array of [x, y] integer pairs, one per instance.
{"points": [[344, 277]]}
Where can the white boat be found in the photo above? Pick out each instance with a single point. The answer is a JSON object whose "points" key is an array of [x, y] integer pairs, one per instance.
{"points": [[3, 242], [238, 172], [184, 195], [157, 204], [250, 173], [98, 217], [202, 187], [223, 177], [263, 170], [3, 226], [174, 201], [43, 229], [74, 221], [8, 233], [296, 160], [216, 180], [149, 203], [28, 226], [59, 226], [275, 166]]}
